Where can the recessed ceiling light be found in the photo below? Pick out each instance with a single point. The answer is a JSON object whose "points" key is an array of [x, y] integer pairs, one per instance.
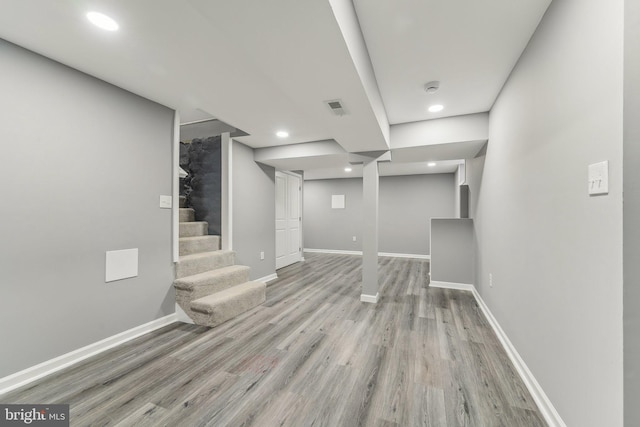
{"points": [[101, 20], [282, 134], [435, 108], [431, 164], [348, 169]]}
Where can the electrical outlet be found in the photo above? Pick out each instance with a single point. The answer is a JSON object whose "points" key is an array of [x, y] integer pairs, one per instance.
{"points": [[261, 256], [490, 280], [354, 238]]}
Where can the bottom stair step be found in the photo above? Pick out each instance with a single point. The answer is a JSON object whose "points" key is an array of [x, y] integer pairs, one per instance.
{"points": [[219, 307]]}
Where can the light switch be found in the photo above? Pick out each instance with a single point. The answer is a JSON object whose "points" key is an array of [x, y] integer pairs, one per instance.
{"points": [[599, 178], [165, 202]]}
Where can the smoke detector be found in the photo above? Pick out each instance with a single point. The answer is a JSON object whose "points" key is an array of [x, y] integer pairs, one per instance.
{"points": [[336, 107], [432, 87]]}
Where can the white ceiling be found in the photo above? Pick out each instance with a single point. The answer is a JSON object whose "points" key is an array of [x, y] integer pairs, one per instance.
{"points": [[262, 66], [384, 169], [469, 46]]}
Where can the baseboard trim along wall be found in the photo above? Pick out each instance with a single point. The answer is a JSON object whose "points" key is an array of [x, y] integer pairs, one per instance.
{"points": [[34, 373], [548, 411], [370, 298], [452, 285], [389, 254], [267, 279]]}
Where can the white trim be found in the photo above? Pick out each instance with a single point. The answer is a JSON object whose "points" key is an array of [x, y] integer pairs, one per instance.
{"points": [[452, 285], [300, 228], [370, 298], [412, 256], [546, 408], [227, 192], [175, 211], [268, 278], [332, 251], [549, 412], [33, 373], [199, 121], [388, 254]]}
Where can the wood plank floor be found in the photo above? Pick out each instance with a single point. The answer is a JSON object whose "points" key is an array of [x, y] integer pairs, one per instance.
{"points": [[312, 355]]}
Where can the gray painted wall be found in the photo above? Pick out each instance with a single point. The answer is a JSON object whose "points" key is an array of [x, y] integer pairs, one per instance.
{"points": [[555, 253], [326, 228], [452, 253], [632, 213], [83, 166], [406, 205], [254, 212]]}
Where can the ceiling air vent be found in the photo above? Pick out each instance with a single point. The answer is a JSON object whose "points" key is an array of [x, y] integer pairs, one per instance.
{"points": [[336, 107]]}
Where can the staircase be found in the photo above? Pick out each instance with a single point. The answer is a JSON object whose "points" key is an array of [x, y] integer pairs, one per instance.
{"points": [[210, 287]]}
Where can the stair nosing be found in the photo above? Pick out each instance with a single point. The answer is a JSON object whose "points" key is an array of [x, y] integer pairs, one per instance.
{"points": [[203, 254], [204, 236], [250, 284], [195, 277]]}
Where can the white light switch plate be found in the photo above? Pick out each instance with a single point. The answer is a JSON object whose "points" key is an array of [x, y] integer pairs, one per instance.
{"points": [[599, 178], [166, 202]]}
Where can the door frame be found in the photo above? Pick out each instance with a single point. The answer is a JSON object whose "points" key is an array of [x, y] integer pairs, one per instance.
{"points": [[301, 216]]}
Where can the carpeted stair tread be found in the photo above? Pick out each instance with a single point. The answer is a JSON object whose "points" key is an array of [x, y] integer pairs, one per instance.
{"points": [[183, 201], [219, 307], [187, 215], [188, 265], [223, 277], [195, 228], [196, 244]]}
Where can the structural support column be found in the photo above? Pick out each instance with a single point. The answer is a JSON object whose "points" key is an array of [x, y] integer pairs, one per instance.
{"points": [[370, 185]]}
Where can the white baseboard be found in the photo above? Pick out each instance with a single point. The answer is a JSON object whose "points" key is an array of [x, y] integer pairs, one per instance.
{"points": [[549, 412], [33, 373], [389, 254], [370, 298], [332, 251], [268, 278], [452, 285], [396, 255]]}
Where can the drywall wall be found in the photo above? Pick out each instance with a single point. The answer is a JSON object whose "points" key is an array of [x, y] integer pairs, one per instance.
{"points": [[555, 253], [452, 253], [406, 204], [254, 222], [83, 166], [327, 228], [631, 221]]}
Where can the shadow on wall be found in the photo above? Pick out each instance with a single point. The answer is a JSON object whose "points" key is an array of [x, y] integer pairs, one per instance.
{"points": [[201, 159]]}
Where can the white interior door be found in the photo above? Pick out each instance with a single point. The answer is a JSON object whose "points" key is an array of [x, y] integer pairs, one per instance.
{"points": [[288, 219]]}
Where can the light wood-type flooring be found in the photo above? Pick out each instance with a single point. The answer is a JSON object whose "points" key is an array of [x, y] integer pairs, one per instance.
{"points": [[312, 355]]}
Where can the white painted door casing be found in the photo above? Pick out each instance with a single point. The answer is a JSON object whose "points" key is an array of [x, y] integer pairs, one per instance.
{"points": [[288, 219]]}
